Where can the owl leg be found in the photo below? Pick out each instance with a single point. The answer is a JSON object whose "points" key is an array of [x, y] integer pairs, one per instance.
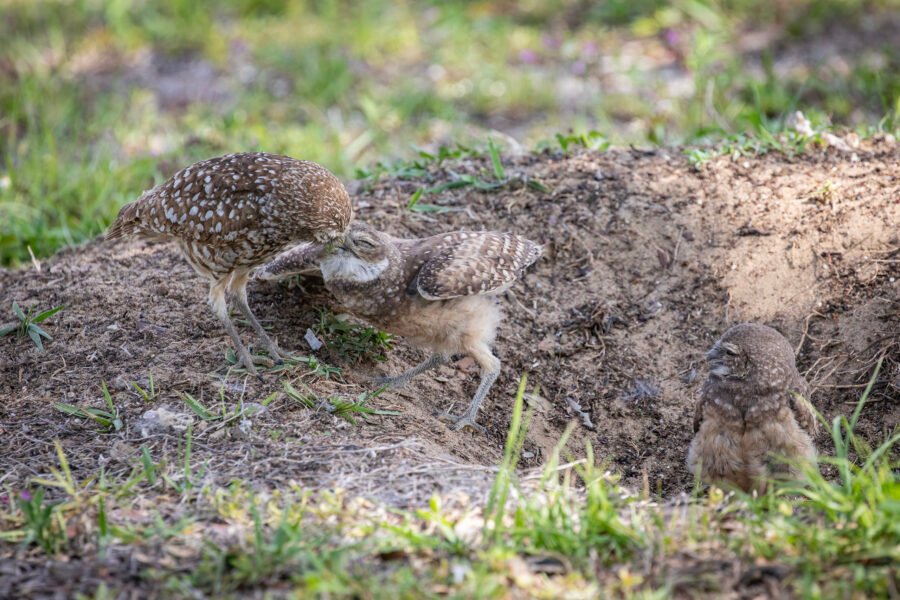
{"points": [[490, 370], [433, 361], [239, 292], [220, 308]]}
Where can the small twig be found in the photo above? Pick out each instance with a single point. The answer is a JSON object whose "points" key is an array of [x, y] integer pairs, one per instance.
{"points": [[677, 246], [530, 312], [848, 386], [34, 261], [806, 330]]}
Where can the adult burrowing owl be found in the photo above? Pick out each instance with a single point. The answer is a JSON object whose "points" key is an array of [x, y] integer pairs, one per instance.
{"points": [[437, 292], [232, 213], [753, 410]]}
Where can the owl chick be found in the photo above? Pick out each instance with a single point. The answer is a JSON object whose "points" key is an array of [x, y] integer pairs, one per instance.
{"points": [[753, 409], [437, 292]]}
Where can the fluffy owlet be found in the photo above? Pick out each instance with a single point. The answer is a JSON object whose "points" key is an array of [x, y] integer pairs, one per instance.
{"points": [[753, 412], [437, 292]]}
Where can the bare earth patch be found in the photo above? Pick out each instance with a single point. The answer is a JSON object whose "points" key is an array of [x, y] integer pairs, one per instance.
{"points": [[646, 262]]}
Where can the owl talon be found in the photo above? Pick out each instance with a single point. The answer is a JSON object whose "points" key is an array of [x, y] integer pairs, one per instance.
{"points": [[458, 422], [263, 361], [384, 380]]}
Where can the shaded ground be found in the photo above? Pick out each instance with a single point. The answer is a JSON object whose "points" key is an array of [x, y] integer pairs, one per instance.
{"points": [[646, 262]]}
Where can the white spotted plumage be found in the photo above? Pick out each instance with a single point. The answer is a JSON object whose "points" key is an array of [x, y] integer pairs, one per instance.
{"points": [[231, 213]]}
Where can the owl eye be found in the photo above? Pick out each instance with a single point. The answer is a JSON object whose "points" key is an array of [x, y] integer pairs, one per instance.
{"points": [[731, 351], [365, 244]]}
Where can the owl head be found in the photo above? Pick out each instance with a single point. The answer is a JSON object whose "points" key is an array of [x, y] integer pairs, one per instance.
{"points": [[362, 256], [753, 352], [365, 243]]}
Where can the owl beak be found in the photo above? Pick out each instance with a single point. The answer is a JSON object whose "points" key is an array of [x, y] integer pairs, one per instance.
{"points": [[348, 245], [715, 359], [719, 369], [715, 353]]}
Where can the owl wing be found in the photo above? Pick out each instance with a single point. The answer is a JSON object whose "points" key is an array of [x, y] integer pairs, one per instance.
{"points": [[698, 411], [802, 407], [466, 263], [215, 201], [302, 259]]}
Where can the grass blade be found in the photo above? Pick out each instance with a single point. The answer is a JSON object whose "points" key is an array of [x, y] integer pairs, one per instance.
{"points": [[200, 410], [415, 198], [499, 172], [39, 331], [149, 467], [36, 338], [41, 317]]}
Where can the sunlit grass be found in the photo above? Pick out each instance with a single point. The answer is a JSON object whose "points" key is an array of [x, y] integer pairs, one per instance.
{"points": [[97, 103], [568, 529]]}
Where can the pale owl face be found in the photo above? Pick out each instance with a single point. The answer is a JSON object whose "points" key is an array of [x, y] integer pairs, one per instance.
{"points": [[365, 244], [751, 352], [361, 256], [728, 361]]}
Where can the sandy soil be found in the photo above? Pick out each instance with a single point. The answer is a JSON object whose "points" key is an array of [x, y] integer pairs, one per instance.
{"points": [[646, 262]]}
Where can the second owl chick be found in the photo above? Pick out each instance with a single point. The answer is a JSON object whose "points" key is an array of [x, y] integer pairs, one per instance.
{"points": [[749, 412], [436, 292]]}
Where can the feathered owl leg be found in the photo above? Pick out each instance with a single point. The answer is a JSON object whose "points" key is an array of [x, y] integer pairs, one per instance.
{"points": [[490, 370], [239, 293], [433, 361], [220, 308]]}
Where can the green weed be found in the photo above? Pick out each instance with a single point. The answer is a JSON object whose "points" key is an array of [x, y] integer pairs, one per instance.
{"points": [[41, 522], [149, 394], [351, 341], [108, 419], [340, 406], [28, 324], [316, 368]]}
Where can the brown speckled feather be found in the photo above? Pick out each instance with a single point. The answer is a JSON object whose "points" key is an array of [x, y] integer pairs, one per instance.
{"points": [[473, 263], [302, 259], [699, 409], [239, 209], [231, 213]]}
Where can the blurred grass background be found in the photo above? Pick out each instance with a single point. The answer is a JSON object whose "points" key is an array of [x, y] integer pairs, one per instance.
{"points": [[99, 99]]}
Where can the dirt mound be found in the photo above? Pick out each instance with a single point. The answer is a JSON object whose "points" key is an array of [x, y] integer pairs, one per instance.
{"points": [[647, 261]]}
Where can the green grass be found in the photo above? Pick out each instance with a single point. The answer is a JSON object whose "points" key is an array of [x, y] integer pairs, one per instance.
{"points": [[107, 419], [353, 342], [26, 324], [572, 530], [338, 405], [83, 129]]}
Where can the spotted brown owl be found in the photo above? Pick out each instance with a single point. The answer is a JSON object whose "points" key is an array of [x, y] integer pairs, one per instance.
{"points": [[231, 213], [753, 411], [438, 292]]}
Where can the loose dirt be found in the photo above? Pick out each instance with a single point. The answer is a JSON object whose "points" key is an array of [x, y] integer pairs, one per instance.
{"points": [[646, 262]]}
